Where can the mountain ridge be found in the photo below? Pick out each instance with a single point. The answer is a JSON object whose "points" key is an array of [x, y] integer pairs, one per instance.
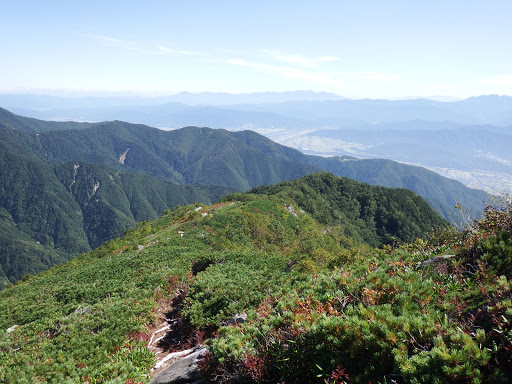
{"points": [[51, 211], [256, 278], [103, 161], [489, 109]]}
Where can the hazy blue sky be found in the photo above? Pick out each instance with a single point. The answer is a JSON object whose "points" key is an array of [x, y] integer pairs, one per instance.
{"points": [[355, 48]]}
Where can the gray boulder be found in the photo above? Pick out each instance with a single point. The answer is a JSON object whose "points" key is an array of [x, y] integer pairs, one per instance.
{"points": [[237, 319], [435, 260], [183, 371]]}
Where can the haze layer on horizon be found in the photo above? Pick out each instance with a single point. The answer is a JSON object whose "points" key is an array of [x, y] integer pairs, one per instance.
{"points": [[368, 49]]}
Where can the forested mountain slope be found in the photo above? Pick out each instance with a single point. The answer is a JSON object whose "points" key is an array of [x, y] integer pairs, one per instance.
{"points": [[64, 191], [441, 192], [239, 159], [112, 201], [48, 213], [371, 214], [190, 155]]}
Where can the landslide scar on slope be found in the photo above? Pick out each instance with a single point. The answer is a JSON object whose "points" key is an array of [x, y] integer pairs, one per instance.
{"points": [[122, 158]]}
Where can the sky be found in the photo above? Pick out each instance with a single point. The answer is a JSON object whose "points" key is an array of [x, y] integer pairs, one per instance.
{"points": [[357, 49]]}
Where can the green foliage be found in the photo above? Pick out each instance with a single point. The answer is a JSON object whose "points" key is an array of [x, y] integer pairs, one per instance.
{"points": [[76, 319], [488, 240], [226, 289], [496, 252], [441, 193], [375, 215], [382, 316], [388, 321], [319, 307]]}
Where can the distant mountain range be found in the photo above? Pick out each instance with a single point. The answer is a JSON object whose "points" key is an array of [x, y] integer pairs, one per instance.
{"points": [[46, 102], [313, 110], [466, 139], [68, 187]]}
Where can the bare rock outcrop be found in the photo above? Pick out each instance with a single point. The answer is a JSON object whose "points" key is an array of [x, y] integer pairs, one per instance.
{"points": [[183, 371]]}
